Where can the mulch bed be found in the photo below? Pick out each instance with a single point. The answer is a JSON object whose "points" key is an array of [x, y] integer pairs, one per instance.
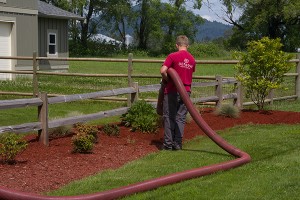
{"points": [[40, 168]]}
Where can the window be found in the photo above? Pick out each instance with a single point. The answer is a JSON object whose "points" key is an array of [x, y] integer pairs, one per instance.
{"points": [[52, 50], [2, 1]]}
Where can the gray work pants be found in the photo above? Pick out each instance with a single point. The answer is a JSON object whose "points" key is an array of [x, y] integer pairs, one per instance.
{"points": [[174, 115]]}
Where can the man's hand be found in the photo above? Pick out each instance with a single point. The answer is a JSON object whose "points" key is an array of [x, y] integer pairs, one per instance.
{"points": [[163, 81]]}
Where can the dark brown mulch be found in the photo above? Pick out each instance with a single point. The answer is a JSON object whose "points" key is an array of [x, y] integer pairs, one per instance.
{"points": [[40, 169]]}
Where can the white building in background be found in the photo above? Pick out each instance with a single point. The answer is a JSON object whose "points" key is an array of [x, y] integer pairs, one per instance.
{"points": [[106, 39], [109, 40], [128, 40]]}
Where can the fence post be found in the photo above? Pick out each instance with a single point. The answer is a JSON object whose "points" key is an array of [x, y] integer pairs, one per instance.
{"points": [[239, 99], [271, 96], [219, 90], [135, 96], [297, 82], [43, 133], [34, 77], [130, 69]]}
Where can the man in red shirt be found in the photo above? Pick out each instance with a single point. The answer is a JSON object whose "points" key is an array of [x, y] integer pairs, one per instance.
{"points": [[174, 110]]}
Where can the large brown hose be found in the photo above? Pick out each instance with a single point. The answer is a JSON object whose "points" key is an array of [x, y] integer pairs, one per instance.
{"points": [[8, 194]]}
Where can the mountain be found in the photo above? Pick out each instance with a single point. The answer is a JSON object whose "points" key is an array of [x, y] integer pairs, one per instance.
{"points": [[211, 30], [207, 31]]}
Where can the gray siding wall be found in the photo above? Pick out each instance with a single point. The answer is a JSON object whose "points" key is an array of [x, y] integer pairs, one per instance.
{"points": [[23, 4], [31, 33], [25, 22], [60, 26]]}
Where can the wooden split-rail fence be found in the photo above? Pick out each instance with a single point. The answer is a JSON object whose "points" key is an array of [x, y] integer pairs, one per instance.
{"points": [[42, 100]]}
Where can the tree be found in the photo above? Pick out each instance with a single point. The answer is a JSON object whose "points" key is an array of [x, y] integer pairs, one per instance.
{"points": [[118, 16], [159, 23], [89, 26], [269, 18], [262, 68], [176, 20], [143, 23], [153, 22]]}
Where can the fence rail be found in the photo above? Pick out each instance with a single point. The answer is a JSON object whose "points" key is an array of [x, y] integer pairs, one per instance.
{"points": [[42, 100]]}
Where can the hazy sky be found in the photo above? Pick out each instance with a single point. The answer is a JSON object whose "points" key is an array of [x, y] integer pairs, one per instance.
{"points": [[211, 10]]}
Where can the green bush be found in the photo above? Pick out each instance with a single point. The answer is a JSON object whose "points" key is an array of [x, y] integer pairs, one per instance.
{"points": [[85, 137], [10, 145], [111, 129], [228, 110], [262, 69], [83, 143], [141, 116], [86, 129]]}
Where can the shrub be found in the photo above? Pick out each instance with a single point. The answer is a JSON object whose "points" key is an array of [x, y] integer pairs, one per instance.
{"points": [[228, 110], [83, 143], [262, 68], [10, 145], [111, 129], [85, 137], [86, 129], [141, 116]]}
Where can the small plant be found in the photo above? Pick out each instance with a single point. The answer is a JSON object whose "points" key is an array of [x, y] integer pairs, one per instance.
{"points": [[142, 117], [85, 137], [111, 129], [83, 143], [228, 110], [86, 129], [10, 146]]}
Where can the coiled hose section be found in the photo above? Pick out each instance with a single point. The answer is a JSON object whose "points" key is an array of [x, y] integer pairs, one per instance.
{"points": [[242, 158]]}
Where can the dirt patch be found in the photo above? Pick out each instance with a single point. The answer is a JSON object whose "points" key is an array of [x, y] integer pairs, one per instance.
{"points": [[40, 169]]}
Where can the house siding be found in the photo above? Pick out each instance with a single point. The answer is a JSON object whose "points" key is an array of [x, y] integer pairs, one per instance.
{"points": [[30, 33], [23, 18], [24, 4], [60, 26]]}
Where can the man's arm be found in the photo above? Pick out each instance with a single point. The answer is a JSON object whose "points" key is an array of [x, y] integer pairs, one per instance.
{"points": [[163, 72]]}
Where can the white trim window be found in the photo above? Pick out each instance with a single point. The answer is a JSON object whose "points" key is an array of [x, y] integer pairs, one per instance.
{"points": [[2, 1], [52, 44]]}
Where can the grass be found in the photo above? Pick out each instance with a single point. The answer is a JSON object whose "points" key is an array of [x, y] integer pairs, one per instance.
{"points": [[288, 105], [274, 172], [29, 114], [78, 85]]}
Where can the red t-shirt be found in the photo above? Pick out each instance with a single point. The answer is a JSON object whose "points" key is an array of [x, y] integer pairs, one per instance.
{"points": [[184, 64]]}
